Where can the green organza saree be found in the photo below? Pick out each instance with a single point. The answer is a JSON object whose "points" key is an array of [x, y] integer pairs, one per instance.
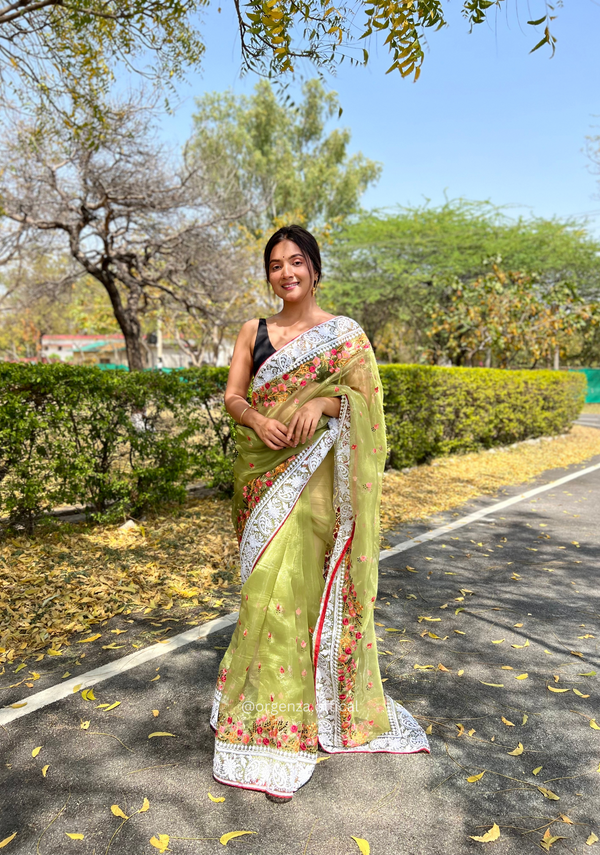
{"points": [[302, 668]]}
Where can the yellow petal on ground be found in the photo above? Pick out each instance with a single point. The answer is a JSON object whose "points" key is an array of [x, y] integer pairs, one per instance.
{"points": [[84, 725], [145, 806], [495, 685], [461, 672], [74, 835], [507, 668], [18, 706], [54, 653], [225, 838], [112, 706], [155, 713], [88, 695], [474, 778], [155, 678], [65, 675], [458, 632], [489, 836], [362, 844], [428, 729], [566, 819], [216, 798], [521, 676], [518, 750], [525, 717], [520, 646], [36, 751], [7, 840], [45, 769], [580, 694], [594, 724], [548, 794], [77, 687], [91, 638], [443, 667], [160, 733], [161, 842], [507, 722], [500, 641], [423, 667], [592, 839], [553, 689], [20, 667], [537, 770], [118, 812]]}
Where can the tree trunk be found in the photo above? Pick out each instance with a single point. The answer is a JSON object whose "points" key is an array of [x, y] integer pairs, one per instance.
{"points": [[556, 358], [128, 319]]}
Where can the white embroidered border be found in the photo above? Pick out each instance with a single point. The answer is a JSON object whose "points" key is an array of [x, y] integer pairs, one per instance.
{"points": [[405, 735], [276, 505], [326, 666], [262, 767], [305, 347]]}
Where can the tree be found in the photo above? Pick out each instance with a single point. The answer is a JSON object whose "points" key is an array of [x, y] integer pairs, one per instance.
{"points": [[275, 34], [507, 319], [281, 157], [64, 54], [388, 269], [145, 228], [53, 48]]}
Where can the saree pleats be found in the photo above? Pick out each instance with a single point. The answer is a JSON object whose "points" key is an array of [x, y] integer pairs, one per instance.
{"points": [[302, 667]]}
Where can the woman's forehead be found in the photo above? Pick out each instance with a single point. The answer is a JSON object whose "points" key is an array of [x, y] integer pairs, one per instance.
{"points": [[285, 249]]}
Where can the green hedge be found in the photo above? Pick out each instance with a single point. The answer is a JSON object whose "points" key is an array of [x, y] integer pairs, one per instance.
{"points": [[433, 411], [120, 442], [111, 441]]}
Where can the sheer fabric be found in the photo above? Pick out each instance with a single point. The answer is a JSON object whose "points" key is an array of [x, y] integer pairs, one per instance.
{"points": [[302, 671]]}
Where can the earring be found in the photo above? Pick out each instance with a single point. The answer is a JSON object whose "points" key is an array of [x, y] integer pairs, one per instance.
{"points": [[314, 287]]}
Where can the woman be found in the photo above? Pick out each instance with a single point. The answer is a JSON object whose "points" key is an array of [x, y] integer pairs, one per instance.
{"points": [[301, 670]]}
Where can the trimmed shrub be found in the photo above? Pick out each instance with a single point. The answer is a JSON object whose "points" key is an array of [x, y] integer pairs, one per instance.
{"points": [[433, 411], [117, 442], [109, 441]]}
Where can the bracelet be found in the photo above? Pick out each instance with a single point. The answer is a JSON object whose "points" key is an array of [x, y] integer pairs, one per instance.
{"points": [[249, 407]]}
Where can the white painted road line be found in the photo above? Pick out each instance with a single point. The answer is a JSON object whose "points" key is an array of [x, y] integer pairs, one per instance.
{"points": [[483, 512], [113, 669], [118, 666]]}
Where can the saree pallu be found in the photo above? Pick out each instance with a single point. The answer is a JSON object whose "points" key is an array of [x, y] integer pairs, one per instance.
{"points": [[302, 668]]}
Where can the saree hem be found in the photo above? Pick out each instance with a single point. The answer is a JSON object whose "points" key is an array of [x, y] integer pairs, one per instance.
{"points": [[262, 768]]}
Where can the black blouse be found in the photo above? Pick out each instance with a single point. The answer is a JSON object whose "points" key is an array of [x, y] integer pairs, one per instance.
{"points": [[262, 346]]}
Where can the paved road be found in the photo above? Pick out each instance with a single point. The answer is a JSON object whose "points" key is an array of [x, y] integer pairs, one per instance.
{"points": [[589, 420], [525, 578]]}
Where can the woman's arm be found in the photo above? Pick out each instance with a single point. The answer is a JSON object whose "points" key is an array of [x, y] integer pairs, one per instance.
{"points": [[272, 432]]}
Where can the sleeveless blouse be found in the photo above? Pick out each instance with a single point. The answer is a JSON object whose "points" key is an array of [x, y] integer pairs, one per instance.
{"points": [[262, 346]]}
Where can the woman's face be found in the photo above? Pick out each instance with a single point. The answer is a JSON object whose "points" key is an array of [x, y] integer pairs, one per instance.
{"points": [[289, 274]]}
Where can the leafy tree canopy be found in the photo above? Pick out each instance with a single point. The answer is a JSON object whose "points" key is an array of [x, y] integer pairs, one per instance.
{"points": [[281, 159], [58, 48], [395, 265]]}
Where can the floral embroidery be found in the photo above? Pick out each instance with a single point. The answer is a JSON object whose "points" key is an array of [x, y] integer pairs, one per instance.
{"points": [[254, 491], [316, 369], [221, 679], [271, 730], [351, 634]]}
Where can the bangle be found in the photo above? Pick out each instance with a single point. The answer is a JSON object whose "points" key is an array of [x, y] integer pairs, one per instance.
{"points": [[249, 407]]}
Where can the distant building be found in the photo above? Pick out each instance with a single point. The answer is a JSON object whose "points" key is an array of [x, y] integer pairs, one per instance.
{"points": [[109, 350]]}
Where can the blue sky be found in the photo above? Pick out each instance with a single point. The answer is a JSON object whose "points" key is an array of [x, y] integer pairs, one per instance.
{"points": [[486, 119]]}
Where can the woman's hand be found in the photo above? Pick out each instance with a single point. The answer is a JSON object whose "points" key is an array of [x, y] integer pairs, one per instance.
{"points": [[304, 421], [272, 432]]}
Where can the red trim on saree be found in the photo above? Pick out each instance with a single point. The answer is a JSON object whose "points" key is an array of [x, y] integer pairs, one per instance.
{"points": [[325, 602]]}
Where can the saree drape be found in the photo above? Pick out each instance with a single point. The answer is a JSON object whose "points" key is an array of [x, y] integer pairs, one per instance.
{"points": [[302, 668]]}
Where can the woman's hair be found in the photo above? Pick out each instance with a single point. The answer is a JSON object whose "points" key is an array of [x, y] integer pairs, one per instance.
{"points": [[307, 243]]}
